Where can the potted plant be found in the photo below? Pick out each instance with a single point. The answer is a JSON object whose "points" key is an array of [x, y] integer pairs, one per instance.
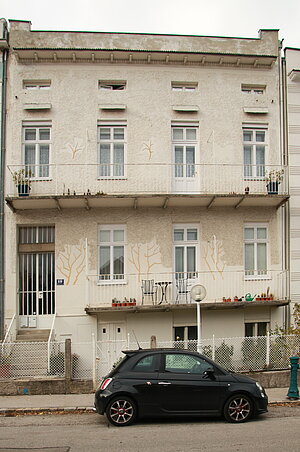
{"points": [[273, 179], [22, 181]]}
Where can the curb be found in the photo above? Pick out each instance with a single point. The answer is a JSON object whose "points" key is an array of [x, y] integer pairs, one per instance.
{"points": [[39, 411]]}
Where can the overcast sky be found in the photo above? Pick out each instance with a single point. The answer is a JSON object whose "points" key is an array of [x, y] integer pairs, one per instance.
{"points": [[242, 18]]}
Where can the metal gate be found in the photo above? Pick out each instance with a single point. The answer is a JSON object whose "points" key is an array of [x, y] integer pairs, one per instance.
{"points": [[36, 286]]}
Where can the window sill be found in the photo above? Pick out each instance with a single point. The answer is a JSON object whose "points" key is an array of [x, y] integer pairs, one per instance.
{"points": [[110, 282], [112, 178]]}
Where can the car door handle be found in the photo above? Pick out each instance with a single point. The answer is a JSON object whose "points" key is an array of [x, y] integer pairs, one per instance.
{"points": [[164, 383]]}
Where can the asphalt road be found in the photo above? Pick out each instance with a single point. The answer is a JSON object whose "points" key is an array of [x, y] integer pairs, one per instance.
{"points": [[276, 431]]}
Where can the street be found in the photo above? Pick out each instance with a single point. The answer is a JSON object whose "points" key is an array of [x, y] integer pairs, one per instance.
{"points": [[277, 430]]}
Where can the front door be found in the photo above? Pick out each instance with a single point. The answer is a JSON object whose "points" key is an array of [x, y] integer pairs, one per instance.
{"points": [[111, 342], [36, 292]]}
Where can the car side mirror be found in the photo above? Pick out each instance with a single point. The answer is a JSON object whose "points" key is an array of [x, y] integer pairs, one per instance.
{"points": [[209, 373]]}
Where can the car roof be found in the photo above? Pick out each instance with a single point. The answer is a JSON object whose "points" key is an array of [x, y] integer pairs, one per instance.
{"points": [[157, 350]]}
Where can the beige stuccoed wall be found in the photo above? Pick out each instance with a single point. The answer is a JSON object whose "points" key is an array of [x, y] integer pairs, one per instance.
{"points": [[75, 100]]}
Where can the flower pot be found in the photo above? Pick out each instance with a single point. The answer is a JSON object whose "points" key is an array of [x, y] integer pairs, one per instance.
{"points": [[23, 190], [272, 188]]}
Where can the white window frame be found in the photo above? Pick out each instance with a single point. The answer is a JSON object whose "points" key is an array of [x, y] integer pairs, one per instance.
{"points": [[255, 273], [255, 326], [185, 243], [111, 168], [254, 170], [36, 84], [36, 168], [184, 86], [112, 227], [253, 89], [185, 170]]}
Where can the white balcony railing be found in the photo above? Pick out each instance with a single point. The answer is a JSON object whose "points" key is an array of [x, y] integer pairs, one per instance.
{"points": [[156, 178], [219, 285]]}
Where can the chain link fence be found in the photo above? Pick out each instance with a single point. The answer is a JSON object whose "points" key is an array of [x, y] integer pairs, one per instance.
{"points": [[93, 360]]}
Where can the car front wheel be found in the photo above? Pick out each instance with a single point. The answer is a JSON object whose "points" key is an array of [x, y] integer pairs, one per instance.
{"points": [[121, 411], [239, 408]]}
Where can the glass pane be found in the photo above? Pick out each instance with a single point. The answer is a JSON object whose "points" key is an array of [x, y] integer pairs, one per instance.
{"points": [[261, 258], [261, 328], [192, 333], [30, 134], [104, 133], [104, 159], [261, 233], [179, 333], [44, 161], [191, 134], [177, 134], [192, 234], [247, 161], [249, 233], [190, 161], [260, 136], [260, 161], [179, 259], [249, 330], [191, 259], [104, 236], [119, 133], [249, 257], [118, 235], [44, 134], [179, 161], [118, 256], [29, 154], [105, 261], [247, 134], [118, 159], [178, 234]]}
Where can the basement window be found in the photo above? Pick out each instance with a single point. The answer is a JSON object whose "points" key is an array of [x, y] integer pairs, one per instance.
{"points": [[253, 89], [184, 86], [112, 85], [36, 84]]}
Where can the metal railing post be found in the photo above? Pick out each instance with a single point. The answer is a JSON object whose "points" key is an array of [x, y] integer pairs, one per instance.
{"points": [[94, 375]]}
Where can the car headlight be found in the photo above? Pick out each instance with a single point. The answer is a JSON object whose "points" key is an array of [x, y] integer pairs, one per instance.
{"points": [[262, 391]]}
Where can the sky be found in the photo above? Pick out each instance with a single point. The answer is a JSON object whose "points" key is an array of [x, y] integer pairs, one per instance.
{"points": [[235, 18]]}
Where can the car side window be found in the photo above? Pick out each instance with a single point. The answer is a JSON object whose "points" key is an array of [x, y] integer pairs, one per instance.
{"points": [[184, 363], [146, 364]]}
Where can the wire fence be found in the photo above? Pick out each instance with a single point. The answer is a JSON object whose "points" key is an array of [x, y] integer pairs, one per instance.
{"points": [[93, 360]]}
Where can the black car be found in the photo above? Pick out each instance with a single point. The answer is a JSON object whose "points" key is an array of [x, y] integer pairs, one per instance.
{"points": [[168, 382]]}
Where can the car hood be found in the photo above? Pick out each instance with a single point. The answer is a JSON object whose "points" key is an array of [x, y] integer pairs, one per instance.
{"points": [[243, 378]]}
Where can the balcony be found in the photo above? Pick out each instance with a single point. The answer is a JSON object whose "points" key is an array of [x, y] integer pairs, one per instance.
{"points": [[145, 185], [225, 290]]}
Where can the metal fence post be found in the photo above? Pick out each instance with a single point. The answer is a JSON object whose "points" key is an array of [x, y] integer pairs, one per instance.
{"points": [[213, 347], [268, 350], [94, 361]]}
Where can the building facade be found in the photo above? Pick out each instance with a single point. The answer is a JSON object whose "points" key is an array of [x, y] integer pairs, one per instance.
{"points": [[291, 66], [137, 167]]}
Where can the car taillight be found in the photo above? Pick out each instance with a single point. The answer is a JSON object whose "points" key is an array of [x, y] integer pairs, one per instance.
{"points": [[105, 383]]}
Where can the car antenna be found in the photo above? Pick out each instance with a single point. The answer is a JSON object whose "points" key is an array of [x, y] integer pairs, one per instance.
{"points": [[140, 348]]}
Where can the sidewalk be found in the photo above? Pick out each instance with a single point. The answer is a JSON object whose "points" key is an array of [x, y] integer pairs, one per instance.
{"points": [[85, 402]]}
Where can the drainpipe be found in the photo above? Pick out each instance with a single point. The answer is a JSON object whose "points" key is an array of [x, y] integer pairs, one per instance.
{"points": [[3, 77]]}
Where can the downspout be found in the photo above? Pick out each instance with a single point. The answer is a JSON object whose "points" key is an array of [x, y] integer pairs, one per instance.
{"points": [[4, 43], [286, 207]]}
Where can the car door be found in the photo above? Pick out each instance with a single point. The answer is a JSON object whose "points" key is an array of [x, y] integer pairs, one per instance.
{"points": [[185, 387]]}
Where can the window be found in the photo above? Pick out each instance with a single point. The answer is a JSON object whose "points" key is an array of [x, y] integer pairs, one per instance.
{"points": [[184, 86], [111, 251], [184, 363], [185, 239], [112, 140], [255, 242], [183, 333], [254, 152], [36, 149], [112, 85], [36, 84], [147, 364], [256, 329], [184, 141], [253, 89]]}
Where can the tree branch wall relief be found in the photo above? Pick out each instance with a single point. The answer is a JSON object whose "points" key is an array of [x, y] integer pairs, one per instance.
{"points": [[71, 262]]}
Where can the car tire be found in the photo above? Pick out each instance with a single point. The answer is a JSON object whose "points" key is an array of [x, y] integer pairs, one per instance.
{"points": [[121, 411], [238, 409]]}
